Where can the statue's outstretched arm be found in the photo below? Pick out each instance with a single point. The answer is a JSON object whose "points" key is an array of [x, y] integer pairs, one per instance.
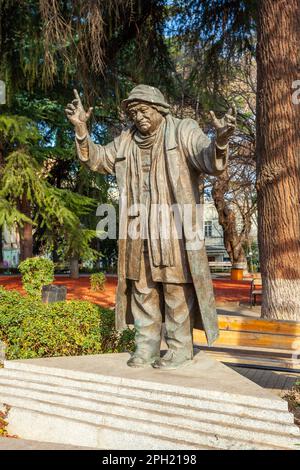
{"points": [[97, 157], [100, 158], [207, 155]]}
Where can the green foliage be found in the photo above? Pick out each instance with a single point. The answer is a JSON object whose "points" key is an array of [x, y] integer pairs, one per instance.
{"points": [[18, 129], [56, 210], [97, 281], [214, 33], [31, 329], [111, 339], [104, 46], [76, 203], [3, 424], [76, 243], [36, 272], [10, 215], [21, 178]]}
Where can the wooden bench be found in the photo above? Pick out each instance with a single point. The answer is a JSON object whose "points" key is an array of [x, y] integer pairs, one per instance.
{"points": [[255, 290], [255, 342], [217, 265]]}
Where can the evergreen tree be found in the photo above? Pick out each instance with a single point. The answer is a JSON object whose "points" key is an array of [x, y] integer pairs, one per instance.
{"points": [[25, 194]]}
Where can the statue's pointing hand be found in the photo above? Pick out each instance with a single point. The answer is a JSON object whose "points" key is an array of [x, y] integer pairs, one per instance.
{"points": [[76, 113], [225, 126]]}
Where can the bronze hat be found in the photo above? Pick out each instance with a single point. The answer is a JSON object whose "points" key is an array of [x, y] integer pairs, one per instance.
{"points": [[148, 94]]}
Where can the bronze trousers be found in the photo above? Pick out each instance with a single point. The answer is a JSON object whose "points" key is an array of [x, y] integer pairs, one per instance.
{"points": [[178, 302]]}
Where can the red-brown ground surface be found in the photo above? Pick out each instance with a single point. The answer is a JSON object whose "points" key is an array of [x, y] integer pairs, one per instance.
{"points": [[225, 289]]}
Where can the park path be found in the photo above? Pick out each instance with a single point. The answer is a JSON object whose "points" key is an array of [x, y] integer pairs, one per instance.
{"points": [[275, 381]]}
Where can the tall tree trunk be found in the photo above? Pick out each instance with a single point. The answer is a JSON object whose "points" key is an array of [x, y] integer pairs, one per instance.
{"points": [[278, 157], [233, 241], [74, 267], [26, 237]]}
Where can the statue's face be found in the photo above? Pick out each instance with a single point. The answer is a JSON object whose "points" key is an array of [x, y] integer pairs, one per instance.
{"points": [[146, 118]]}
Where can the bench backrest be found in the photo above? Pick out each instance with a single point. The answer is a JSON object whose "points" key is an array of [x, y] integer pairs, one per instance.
{"points": [[252, 332], [227, 264], [256, 282]]}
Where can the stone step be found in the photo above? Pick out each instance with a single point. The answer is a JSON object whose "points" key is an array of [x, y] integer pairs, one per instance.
{"points": [[7, 443], [166, 386], [76, 420], [112, 402], [137, 389], [104, 410], [203, 405], [69, 431], [139, 395]]}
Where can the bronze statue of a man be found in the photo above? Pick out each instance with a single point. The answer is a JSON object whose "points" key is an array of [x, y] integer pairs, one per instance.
{"points": [[157, 163]]}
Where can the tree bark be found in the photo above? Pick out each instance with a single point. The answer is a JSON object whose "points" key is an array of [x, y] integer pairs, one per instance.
{"points": [[74, 267], [233, 241], [26, 236], [278, 157]]}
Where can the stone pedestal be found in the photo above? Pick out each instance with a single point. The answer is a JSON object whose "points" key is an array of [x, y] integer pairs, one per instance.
{"points": [[53, 293], [99, 402]]}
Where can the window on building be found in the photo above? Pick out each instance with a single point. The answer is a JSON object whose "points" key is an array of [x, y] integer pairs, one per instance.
{"points": [[208, 228]]}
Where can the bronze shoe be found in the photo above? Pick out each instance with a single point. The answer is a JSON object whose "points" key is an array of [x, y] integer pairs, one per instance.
{"points": [[172, 360], [139, 361]]}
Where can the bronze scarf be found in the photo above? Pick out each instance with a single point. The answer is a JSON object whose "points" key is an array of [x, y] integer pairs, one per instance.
{"points": [[160, 226]]}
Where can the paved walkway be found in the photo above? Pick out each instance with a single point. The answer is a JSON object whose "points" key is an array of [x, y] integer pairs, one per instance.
{"points": [[274, 381], [243, 309]]}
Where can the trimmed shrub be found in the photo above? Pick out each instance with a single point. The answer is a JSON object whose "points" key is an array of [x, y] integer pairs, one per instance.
{"points": [[31, 329], [36, 273], [97, 281]]}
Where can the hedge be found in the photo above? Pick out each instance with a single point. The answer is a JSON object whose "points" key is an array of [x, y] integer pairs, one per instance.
{"points": [[97, 281], [36, 272], [31, 329]]}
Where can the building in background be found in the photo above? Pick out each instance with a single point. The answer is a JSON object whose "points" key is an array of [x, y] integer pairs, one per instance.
{"points": [[213, 232], [10, 248]]}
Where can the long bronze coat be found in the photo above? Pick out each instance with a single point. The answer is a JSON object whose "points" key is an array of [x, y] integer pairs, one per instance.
{"points": [[188, 152]]}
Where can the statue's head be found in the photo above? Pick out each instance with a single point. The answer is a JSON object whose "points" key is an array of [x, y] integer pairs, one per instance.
{"points": [[146, 107]]}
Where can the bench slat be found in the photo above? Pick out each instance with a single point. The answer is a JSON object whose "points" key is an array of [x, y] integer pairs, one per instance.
{"points": [[282, 363], [258, 325], [251, 339]]}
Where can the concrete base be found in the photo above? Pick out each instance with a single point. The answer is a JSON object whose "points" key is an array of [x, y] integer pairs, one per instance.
{"points": [[7, 443], [99, 402]]}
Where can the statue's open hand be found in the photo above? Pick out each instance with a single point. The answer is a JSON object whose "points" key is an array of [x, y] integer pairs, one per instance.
{"points": [[225, 126], [76, 113]]}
